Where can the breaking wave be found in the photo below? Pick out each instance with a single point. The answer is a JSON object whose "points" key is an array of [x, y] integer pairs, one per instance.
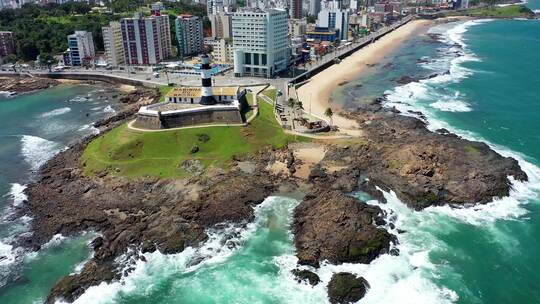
{"points": [[56, 112], [37, 151], [109, 109], [16, 194]]}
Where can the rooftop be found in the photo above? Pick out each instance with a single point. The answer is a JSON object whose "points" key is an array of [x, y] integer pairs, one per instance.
{"points": [[195, 92]]}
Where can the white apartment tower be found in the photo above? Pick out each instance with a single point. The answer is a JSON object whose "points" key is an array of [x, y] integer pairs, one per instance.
{"points": [[80, 47], [261, 43], [112, 41], [146, 40], [333, 17]]}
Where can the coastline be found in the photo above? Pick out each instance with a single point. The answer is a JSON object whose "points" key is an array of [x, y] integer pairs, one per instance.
{"points": [[341, 158], [320, 87]]}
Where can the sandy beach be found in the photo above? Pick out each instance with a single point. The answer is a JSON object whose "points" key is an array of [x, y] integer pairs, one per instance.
{"points": [[319, 89]]}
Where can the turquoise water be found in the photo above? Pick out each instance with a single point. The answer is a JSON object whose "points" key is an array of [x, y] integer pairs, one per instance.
{"points": [[33, 127], [492, 94]]}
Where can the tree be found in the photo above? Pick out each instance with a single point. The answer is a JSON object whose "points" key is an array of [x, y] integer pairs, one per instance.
{"points": [[11, 58], [47, 59], [328, 113]]}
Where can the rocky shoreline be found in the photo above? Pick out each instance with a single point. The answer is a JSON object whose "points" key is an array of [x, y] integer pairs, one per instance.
{"points": [[396, 153], [18, 84]]}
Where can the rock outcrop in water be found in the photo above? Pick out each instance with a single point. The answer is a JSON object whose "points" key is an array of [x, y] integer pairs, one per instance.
{"points": [[333, 226], [346, 288], [424, 168]]}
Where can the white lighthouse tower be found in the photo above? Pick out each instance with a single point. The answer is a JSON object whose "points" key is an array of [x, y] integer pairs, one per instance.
{"points": [[207, 94]]}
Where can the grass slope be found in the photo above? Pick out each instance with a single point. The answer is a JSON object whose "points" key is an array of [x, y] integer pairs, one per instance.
{"points": [[125, 152]]}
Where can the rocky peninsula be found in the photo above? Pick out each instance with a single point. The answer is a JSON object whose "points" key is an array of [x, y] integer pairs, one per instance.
{"points": [[146, 214]]}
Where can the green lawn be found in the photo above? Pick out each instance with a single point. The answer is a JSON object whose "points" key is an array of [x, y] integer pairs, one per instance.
{"points": [[511, 11], [163, 90], [125, 152], [272, 93]]}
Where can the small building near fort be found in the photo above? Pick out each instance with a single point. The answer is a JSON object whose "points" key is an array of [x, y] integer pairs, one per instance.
{"points": [[191, 106]]}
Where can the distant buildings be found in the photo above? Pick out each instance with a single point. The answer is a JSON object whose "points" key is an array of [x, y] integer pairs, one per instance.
{"points": [[80, 48], [295, 9], [114, 46], [7, 44], [189, 33], [297, 27], [221, 25], [5, 4], [261, 44], [146, 40], [222, 49], [332, 16], [314, 7], [323, 34]]}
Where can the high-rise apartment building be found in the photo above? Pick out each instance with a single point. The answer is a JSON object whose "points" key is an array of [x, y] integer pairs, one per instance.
{"points": [[80, 47], [314, 7], [221, 26], [112, 41], [222, 49], [295, 9], [7, 44], [332, 16], [261, 43], [146, 40], [189, 33]]}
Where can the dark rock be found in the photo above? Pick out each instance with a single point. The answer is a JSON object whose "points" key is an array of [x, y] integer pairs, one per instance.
{"points": [[306, 276], [394, 252], [338, 228], [97, 243], [405, 79], [346, 288]]}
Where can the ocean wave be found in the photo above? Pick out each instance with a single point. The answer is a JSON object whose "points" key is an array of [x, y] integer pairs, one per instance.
{"points": [[221, 245], [452, 106], [109, 109], [89, 128], [55, 112], [8, 94], [37, 151], [413, 268], [79, 99], [16, 194], [7, 256]]}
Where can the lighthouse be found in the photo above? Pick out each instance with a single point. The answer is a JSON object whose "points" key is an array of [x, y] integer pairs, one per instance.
{"points": [[207, 95]]}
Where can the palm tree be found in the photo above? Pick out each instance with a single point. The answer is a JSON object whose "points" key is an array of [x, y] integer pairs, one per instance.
{"points": [[328, 113]]}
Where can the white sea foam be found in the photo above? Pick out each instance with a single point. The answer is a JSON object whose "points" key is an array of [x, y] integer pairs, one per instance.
{"points": [[37, 151], [56, 112], [89, 128], [16, 193], [7, 94], [7, 256], [413, 271], [452, 106], [221, 244], [79, 99], [109, 109]]}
